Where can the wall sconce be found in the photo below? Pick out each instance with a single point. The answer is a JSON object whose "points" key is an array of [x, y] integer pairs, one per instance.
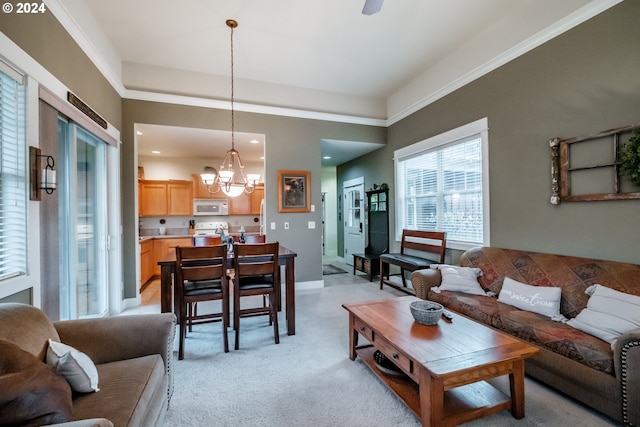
{"points": [[41, 178]]}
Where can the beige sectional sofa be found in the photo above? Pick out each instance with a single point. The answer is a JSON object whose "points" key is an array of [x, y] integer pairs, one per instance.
{"points": [[602, 375], [132, 355]]}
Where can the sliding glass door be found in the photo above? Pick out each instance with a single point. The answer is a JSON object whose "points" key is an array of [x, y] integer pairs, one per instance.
{"points": [[83, 223]]}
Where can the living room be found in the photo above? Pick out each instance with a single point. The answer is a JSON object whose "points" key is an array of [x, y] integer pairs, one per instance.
{"points": [[581, 82]]}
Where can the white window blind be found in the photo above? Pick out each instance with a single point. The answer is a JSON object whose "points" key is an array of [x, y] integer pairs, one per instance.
{"points": [[13, 181], [439, 187]]}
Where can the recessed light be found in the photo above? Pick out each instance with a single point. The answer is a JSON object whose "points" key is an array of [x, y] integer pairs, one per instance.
{"points": [[326, 157], [155, 152], [139, 132], [254, 141]]}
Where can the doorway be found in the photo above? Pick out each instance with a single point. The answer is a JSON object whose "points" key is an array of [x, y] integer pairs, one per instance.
{"points": [[353, 202], [83, 222]]}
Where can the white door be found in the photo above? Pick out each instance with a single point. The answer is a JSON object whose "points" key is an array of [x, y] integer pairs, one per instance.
{"points": [[353, 202]]}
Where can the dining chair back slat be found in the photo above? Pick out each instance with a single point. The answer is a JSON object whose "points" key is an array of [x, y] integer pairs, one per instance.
{"points": [[206, 240], [254, 238]]}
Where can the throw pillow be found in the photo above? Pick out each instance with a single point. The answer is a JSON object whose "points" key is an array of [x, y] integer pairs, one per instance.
{"points": [[461, 279], [543, 300], [609, 314], [31, 393], [75, 366]]}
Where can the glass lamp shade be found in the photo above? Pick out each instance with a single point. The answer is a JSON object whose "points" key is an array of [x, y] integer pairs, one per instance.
{"points": [[208, 178], [226, 176], [233, 190], [253, 178], [48, 180]]}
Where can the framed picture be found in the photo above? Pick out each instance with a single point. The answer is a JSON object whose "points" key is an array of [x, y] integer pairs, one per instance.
{"points": [[294, 191]]}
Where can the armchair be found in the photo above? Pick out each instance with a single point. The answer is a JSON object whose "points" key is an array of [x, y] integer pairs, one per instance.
{"points": [[132, 354]]}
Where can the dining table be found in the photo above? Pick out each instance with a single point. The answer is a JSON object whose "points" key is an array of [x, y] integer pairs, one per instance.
{"points": [[286, 258]]}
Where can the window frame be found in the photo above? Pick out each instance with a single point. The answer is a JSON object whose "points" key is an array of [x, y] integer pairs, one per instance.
{"points": [[446, 139], [19, 177]]}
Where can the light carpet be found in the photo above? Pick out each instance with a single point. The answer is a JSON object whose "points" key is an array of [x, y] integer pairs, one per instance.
{"points": [[308, 379]]}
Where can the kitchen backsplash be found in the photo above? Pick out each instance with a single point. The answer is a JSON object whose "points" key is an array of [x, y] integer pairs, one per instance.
{"points": [[179, 225]]}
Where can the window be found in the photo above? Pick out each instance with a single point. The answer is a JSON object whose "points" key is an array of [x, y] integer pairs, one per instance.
{"points": [[442, 185], [13, 181]]}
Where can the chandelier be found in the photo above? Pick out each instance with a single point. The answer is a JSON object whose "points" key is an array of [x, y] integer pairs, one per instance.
{"points": [[230, 179]]}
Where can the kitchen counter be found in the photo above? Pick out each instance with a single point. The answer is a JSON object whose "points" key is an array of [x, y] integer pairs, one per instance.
{"points": [[181, 236], [164, 236]]}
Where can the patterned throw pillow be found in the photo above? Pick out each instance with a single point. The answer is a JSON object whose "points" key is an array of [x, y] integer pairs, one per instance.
{"points": [[609, 314], [461, 279], [543, 300]]}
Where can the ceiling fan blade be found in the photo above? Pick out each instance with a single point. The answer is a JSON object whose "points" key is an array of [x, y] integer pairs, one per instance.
{"points": [[372, 6]]}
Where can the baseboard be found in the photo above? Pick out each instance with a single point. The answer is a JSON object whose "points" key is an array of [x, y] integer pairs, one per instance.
{"points": [[130, 303]]}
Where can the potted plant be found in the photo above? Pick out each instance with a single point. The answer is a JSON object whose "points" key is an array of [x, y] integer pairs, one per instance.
{"points": [[630, 161]]}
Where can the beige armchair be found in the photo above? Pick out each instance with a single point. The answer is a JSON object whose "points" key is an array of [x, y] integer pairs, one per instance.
{"points": [[132, 354]]}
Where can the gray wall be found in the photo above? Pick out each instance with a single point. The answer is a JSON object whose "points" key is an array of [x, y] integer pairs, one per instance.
{"points": [[291, 144], [44, 39], [582, 82]]}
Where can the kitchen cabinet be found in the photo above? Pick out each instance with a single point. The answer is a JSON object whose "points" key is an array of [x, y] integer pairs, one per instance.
{"points": [[152, 198], [163, 246], [240, 205], [146, 261], [256, 199], [180, 198], [247, 204], [200, 190], [158, 198]]}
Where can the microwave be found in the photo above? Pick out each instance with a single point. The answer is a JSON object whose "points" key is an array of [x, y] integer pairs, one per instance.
{"points": [[202, 207]]}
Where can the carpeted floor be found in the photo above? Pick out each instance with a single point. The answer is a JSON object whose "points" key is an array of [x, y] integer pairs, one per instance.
{"points": [[328, 269], [308, 379]]}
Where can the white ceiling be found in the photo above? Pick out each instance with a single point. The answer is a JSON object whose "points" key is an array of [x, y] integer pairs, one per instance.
{"points": [[407, 54], [174, 141]]}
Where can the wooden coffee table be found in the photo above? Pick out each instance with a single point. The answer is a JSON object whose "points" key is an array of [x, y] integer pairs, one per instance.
{"points": [[446, 364]]}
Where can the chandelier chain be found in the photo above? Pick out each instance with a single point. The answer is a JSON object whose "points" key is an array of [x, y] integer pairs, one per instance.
{"points": [[231, 179], [232, 95]]}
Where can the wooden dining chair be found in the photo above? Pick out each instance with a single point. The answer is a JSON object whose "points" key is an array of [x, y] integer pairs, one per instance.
{"points": [[201, 275], [206, 240], [201, 240], [255, 273], [254, 238]]}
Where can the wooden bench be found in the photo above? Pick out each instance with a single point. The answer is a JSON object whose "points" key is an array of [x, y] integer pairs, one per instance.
{"points": [[432, 242]]}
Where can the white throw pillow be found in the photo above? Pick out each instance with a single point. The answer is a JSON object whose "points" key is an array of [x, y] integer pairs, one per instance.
{"points": [[609, 313], [75, 366], [543, 300], [461, 279]]}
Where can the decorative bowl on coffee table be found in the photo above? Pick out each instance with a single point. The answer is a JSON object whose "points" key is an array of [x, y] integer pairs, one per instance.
{"points": [[426, 312]]}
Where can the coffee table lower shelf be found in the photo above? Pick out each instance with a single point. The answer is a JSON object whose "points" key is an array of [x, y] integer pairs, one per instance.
{"points": [[461, 404]]}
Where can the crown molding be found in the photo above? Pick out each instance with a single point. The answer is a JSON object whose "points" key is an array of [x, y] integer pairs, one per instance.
{"points": [[75, 31], [585, 13], [574, 19], [193, 101]]}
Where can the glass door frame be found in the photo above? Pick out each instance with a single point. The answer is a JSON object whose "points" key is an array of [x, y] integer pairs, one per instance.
{"points": [[84, 243]]}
